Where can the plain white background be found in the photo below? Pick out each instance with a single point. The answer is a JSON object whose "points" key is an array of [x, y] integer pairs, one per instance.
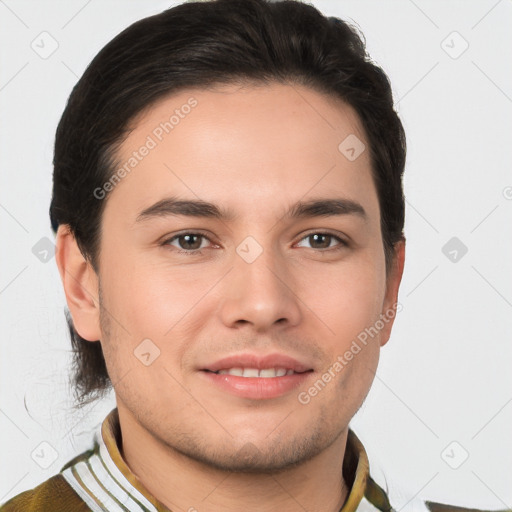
{"points": [[438, 419]]}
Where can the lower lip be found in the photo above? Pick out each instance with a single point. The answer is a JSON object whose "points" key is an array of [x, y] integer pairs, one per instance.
{"points": [[257, 388]]}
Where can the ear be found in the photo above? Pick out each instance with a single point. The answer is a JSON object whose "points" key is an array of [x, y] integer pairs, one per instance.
{"points": [[80, 283], [393, 279]]}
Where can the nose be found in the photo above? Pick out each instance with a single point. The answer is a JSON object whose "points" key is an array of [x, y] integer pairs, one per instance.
{"points": [[260, 293]]}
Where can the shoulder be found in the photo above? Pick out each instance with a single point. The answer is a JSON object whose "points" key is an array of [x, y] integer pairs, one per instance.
{"points": [[381, 500], [443, 507], [53, 495]]}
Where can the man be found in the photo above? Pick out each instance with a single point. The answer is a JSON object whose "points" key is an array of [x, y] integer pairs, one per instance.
{"points": [[229, 217]]}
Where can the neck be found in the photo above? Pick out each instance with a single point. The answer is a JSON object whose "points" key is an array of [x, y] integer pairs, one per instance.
{"points": [[181, 483]]}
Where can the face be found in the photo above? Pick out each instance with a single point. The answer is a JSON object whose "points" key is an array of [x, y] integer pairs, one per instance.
{"points": [[241, 258]]}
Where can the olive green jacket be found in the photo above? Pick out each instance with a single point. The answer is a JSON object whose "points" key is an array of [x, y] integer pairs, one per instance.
{"points": [[100, 480]]}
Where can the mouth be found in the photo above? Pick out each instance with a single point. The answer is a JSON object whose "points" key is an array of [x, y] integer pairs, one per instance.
{"points": [[256, 377], [251, 373]]}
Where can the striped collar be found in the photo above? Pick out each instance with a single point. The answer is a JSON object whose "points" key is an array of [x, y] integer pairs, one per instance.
{"points": [[104, 481]]}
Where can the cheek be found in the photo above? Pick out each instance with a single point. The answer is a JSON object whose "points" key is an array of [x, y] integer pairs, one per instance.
{"points": [[357, 375], [155, 302], [346, 300], [151, 299]]}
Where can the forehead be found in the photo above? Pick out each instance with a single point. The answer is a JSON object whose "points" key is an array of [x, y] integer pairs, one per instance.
{"points": [[249, 146]]}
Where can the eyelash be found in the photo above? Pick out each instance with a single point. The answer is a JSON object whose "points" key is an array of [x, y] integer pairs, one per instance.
{"points": [[198, 252]]}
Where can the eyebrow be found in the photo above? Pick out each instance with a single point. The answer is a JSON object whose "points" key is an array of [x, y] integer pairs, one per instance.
{"points": [[302, 209]]}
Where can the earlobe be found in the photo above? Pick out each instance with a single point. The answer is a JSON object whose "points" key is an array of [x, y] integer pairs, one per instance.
{"points": [[80, 283], [390, 309]]}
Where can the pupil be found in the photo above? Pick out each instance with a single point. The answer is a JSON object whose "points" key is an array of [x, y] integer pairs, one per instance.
{"points": [[188, 241], [326, 237]]}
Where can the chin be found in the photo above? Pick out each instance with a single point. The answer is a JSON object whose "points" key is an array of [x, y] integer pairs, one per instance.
{"points": [[259, 457]]}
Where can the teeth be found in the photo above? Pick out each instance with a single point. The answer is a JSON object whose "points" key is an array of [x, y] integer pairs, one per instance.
{"points": [[233, 371], [254, 372]]}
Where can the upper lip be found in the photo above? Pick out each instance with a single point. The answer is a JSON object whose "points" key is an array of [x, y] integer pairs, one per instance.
{"points": [[247, 360]]}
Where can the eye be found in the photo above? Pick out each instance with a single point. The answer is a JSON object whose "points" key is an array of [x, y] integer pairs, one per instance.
{"points": [[192, 243], [320, 241], [187, 243]]}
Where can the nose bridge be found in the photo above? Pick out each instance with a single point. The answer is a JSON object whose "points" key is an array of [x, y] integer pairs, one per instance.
{"points": [[259, 288]]}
